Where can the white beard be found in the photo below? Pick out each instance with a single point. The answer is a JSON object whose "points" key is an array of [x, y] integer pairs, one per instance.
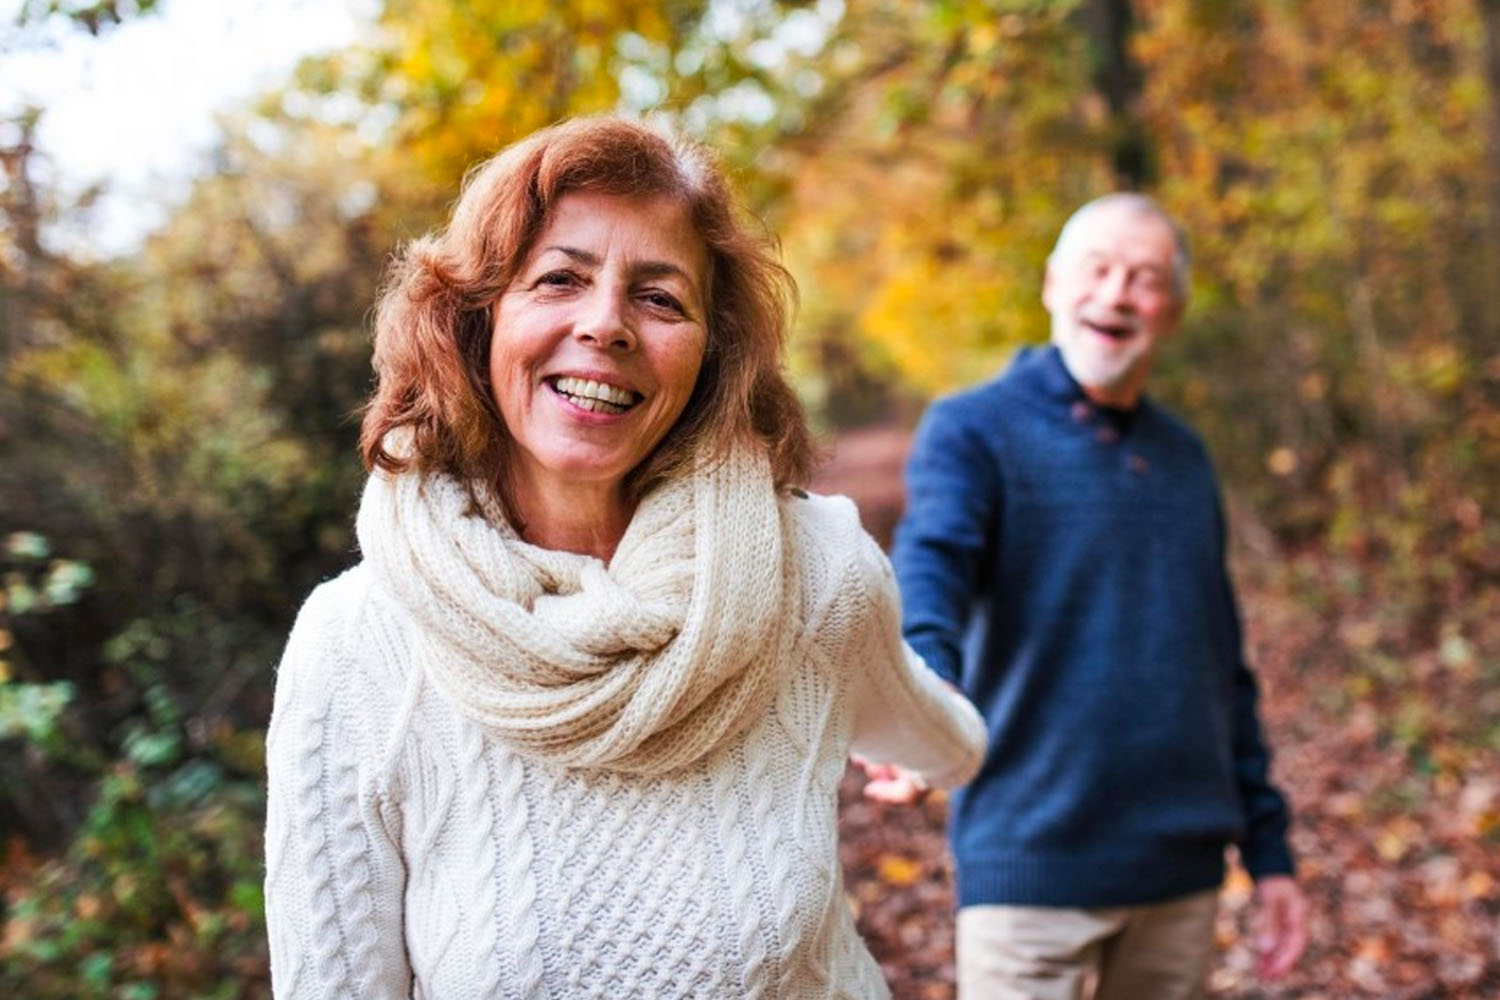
{"points": [[1100, 369]]}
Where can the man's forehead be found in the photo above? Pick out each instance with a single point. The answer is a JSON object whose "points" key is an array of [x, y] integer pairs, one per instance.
{"points": [[1125, 231]]}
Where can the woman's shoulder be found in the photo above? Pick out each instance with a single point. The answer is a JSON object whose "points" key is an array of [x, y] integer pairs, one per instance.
{"points": [[827, 523], [832, 545], [336, 603], [333, 616], [347, 639]]}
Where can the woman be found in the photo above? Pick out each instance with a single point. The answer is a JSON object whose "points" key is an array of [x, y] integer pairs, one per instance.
{"points": [[575, 725]]}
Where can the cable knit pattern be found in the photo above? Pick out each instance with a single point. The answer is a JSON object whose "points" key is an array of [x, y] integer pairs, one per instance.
{"points": [[418, 850]]}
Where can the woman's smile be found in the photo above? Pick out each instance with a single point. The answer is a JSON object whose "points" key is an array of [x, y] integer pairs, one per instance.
{"points": [[597, 344], [593, 396]]}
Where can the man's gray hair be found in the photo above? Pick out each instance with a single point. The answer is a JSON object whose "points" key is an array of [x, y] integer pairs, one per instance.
{"points": [[1145, 205]]}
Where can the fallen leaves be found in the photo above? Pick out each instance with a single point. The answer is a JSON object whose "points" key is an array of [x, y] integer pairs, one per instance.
{"points": [[898, 871]]}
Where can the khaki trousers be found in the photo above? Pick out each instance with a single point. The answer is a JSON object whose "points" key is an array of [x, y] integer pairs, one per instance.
{"points": [[1155, 952]]}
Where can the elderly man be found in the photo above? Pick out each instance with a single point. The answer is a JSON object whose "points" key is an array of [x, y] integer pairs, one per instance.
{"points": [[1061, 560]]}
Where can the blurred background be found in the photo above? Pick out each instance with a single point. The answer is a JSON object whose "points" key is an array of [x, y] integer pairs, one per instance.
{"points": [[184, 344]]}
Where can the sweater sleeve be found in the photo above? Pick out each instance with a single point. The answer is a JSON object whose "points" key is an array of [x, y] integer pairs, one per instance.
{"points": [[1263, 850], [903, 712], [953, 490], [334, 875]]}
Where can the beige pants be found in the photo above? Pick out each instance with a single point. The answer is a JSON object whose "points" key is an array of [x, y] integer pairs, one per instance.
{"points": [[1155, 952]]}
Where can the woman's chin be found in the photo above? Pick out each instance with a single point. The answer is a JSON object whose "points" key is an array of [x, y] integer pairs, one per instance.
{"points": [[591, 469]]}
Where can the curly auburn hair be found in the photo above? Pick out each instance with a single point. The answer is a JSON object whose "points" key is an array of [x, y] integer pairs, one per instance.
{"points": [[434, 316]]}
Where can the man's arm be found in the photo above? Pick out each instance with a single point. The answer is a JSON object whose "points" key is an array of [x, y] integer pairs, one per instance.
{"points": [[952, 493], [1264, 849], [1281, 909]]}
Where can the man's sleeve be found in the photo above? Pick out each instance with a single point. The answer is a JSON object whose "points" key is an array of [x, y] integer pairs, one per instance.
{"points": [[1264, 850], [952, 492]]}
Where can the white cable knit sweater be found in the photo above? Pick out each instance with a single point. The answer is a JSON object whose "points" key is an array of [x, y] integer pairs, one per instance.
{"points": [[412, 853]]}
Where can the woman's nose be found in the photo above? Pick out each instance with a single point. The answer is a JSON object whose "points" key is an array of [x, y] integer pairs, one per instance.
{"points": [[603, 320]]}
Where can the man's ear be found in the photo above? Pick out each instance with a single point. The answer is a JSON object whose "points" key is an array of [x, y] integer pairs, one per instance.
{"points": [[1047, 286]]}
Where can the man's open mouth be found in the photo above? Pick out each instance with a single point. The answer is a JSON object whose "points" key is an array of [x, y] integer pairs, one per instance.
{"points": [[1114, 331], [597, 397]]}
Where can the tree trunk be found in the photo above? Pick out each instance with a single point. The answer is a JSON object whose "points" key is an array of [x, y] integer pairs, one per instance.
{"points": [[1118, 79]]}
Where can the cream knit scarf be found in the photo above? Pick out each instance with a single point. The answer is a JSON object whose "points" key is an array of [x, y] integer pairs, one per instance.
{"points": [[642, 665]]}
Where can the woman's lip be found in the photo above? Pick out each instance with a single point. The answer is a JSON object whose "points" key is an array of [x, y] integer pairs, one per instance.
{"points": [[583, 412], [612, 380]]}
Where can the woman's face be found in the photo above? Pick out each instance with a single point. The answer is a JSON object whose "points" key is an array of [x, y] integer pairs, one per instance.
{"points": [[598, 341]]}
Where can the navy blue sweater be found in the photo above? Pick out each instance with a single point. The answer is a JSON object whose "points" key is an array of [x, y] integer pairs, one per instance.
{"points": [[1064, 565]]}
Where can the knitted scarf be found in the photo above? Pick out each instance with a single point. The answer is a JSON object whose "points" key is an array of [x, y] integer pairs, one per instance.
{"points": [[642, 665]]}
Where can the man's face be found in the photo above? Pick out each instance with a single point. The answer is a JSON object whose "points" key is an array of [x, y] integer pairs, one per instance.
{"points": [[1110, 291]]}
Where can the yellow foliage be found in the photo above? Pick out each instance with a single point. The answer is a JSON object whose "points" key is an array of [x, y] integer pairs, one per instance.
{"points": [[1282, 462], [898, 871], [471, 77], [1398, 836]]}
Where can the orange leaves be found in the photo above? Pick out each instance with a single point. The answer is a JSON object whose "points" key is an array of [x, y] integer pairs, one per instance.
{"points": [[1398, 837], [17, 865], [1478, 885], [899, 887], [1478, 808], [1380, 738], [898, 871], [1281, 461]]}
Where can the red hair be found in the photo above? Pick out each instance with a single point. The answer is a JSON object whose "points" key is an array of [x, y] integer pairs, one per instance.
{"points": [[434, 316]]}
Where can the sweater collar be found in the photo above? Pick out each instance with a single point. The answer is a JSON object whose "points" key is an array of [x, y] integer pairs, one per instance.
{"points": [[1047, 371]]}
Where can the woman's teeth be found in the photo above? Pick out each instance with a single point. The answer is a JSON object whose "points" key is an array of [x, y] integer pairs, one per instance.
{"points": [[597, 397]]}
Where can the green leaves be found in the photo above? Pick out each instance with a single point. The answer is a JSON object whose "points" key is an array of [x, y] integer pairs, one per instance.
{"points": [[31, 711]]}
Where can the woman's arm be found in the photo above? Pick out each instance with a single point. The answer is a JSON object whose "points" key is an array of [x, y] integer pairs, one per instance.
{"points": [[334, 875], [904, 714]]}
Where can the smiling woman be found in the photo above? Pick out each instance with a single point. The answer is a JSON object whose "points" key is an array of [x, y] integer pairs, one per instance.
{"points": [[596, 348], [575, 726], [661, 253]]}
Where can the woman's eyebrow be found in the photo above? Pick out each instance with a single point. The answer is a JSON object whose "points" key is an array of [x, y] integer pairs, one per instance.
{"points": [[645, 268], [659, 269], [573, 253]]}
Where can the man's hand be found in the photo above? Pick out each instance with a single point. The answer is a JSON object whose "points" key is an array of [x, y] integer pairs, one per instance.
{"points": [[1280, 925], [889, 783]]}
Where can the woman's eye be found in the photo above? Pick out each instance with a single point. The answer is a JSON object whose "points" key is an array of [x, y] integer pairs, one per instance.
{"points": [[557, 279], [662, 300]]}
